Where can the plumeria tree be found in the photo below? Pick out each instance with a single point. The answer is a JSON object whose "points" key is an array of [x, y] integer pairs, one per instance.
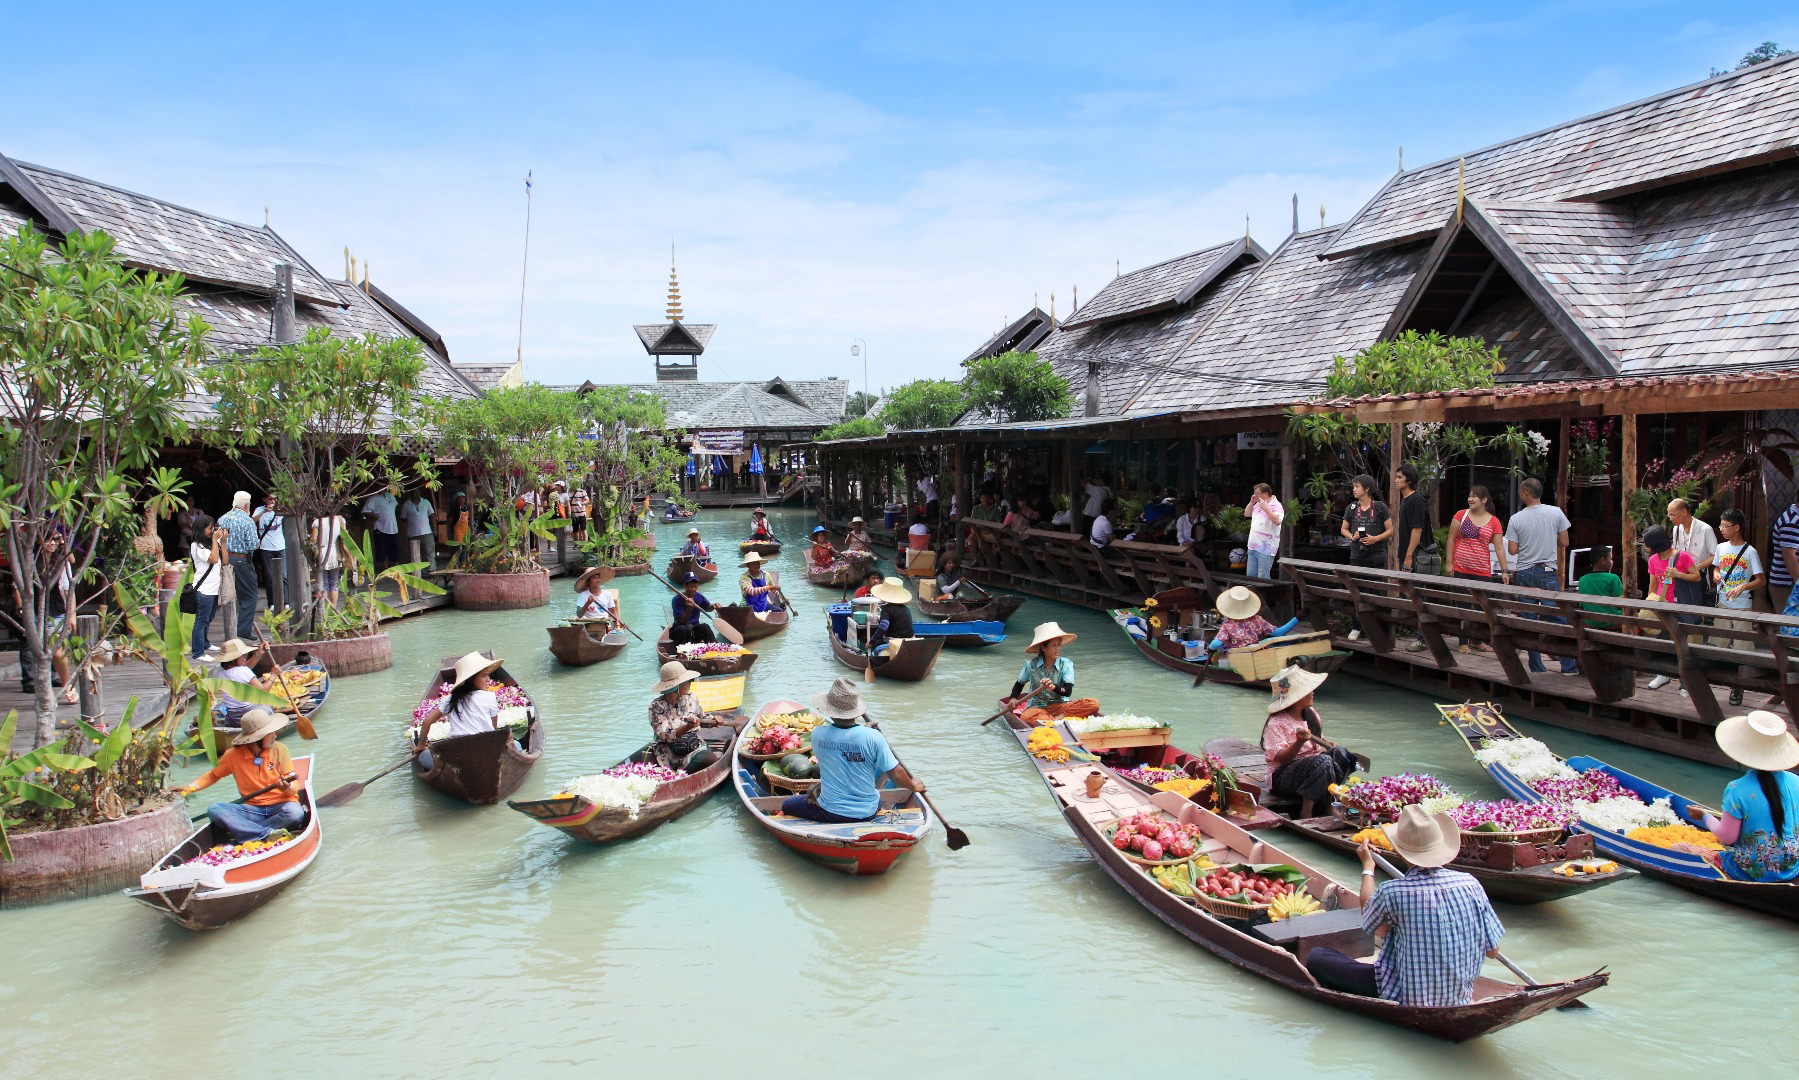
{"points": [[514, 439], [631, 456], [1016, 386], [95, 360]]}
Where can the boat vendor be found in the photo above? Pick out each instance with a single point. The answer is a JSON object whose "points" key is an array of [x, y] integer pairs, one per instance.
{"points": [[853, 759], [471, 709], [1046, 682], [687, 605], [857, 538], [695, 548], [1759, 827], [676, 718], [892, 619], [1302, 763], [255, 760], [759, 525], [1434, 924], [869, 581], [823, 554], [1243, 624], [762, 595], [596, 601], [951, 585]]}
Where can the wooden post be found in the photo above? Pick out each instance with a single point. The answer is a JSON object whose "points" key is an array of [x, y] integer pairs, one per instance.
{"points": [[1563, 466], [1627, 468], [962, 492], [1395, 457], [1071, 484], [1287, 490], [93, 702]]}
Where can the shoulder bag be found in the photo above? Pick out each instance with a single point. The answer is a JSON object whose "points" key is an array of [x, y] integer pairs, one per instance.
{"points": [[190, 593]]}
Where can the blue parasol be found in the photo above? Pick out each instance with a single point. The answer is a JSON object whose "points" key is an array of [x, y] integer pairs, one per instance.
{"points": [[755, 459], [718, 465], [690, 465]]}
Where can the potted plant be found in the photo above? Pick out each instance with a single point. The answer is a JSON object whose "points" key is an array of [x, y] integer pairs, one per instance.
{"points": [[1589, 452], [348, 638]]}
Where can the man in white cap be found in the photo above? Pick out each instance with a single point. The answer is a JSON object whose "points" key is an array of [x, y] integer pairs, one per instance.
{"points": [[1434, 924], [853, 760], [1760, 823]]}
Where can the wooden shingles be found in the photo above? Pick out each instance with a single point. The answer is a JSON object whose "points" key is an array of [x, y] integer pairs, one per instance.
{"points": [[1168, 284]]}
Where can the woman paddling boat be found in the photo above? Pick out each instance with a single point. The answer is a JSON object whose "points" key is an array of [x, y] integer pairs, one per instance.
{"points": [[476, 754], [1045, 683], [1302, 763], [1759, 823]]}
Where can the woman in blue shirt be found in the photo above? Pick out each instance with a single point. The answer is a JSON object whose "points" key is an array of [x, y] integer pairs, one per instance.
{"points": [[1046, 682], [1760, 824]]}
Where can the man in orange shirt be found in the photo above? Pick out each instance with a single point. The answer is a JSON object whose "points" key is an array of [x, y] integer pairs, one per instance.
{"points": [[264, 774]]}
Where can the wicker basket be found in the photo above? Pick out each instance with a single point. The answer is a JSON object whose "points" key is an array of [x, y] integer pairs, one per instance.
{"points": [[1474, 840], [786, 785], [1229, 909]]}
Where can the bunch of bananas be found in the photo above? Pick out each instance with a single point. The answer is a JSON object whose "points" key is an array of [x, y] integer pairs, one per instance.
{"points": [[1287, 905], [1046, 743], [1176, 879]]}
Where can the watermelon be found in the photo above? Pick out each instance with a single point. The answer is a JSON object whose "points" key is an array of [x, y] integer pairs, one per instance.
{"points": [[799, 767]]}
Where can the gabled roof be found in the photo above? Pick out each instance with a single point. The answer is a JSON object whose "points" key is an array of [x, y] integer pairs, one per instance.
{"points": [[420, 328], [1020, 335], [1739, 120], [816, 403], [674, 338], [488, 376], [155, 235], [1165, 285], [746, 406]]}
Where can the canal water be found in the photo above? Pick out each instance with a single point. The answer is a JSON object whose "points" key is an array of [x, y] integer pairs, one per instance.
{"points": [[436, 939]]}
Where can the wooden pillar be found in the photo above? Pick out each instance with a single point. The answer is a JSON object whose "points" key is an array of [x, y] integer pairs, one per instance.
{"points": [[1627, 469], [93, 702], [959, 459], [1287, 492], [1071, 484], [1395, 457], [1563, 466]]}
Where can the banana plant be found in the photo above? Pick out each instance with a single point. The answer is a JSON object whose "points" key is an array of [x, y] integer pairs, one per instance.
{"points": [[22, 778], [363, 608]]}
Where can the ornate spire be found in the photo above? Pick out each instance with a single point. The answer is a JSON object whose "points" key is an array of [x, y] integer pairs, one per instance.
{"points": [[674, 288]]}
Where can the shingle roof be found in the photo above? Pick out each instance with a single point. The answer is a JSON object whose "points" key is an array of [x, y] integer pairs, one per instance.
{"points": [[827, 397], [1020, 335], [1273, 341], [484, 376], [695, 405], [651, 334], [747, 406], [1745, 118], [1165, 285]]}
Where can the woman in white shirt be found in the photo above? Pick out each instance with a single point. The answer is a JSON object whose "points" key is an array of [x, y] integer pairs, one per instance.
{"points": [[208, 553], [1187, 527], [327, 541], [471, 709], [1101, 536]]}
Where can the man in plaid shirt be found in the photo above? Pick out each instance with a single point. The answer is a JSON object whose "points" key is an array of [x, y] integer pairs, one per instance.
{"points": [[241, 542], [1434, 924]]}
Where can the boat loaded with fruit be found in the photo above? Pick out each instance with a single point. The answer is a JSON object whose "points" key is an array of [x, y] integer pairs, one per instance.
{"points": [[1237, 647], [1245, 900]]}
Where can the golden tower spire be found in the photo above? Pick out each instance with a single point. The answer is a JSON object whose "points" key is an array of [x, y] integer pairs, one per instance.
{"points": [[674, 287]]}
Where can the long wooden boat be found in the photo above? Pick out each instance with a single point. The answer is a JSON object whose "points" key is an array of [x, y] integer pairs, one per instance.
{"points": [[996, 609], [204, 897], [586, 820], [670, 515], [1276, 951], [764, 548], [226, 728], [909, 660], [576, 645], [682, 565], [1483, 723], [860, 848], [1168, 654], [839, 574], [485, 768], [709, 665], [751, 625]]}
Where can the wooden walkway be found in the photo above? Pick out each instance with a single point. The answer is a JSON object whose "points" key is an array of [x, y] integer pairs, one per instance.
{"points": [[119, 684]]}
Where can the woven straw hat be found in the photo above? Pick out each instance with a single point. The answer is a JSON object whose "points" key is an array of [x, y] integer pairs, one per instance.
{"points": [[258, 723], [1424, 839], [754, 558], [1046, 633], [604, 573], [1759, 740], [693, 532], [841, 701], [891, 591], [1292, 684], [471, 665], [671, 675], [857, 521], [233, 649], [1239, 602]]}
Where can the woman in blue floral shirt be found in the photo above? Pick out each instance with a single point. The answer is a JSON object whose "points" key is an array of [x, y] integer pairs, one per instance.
{"points": [[1760, 823]]}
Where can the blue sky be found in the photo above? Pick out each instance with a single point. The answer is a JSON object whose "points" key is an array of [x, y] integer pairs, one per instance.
{"points": [[908, 174]]}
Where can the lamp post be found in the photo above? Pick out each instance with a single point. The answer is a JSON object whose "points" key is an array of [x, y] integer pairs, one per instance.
{"points": [[860, 348]]}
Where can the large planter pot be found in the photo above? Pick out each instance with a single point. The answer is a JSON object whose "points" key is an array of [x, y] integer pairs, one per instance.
{"points": [[632, 569], [89, 860], [500, 592], [342, 656]]}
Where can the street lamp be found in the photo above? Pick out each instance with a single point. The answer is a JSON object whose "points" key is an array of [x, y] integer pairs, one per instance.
{"points": [[860, 348]]}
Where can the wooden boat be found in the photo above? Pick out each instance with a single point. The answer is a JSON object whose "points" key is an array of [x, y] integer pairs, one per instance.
{"points": [[670, 515], [480, 769], [1276, 951], [996, 609], [226, 728], [859, 848], [751, 625], [1484, 723], [962, 635], [909, 659], [764, 548], [585, 820], [710, 665], [576, 645], [682, 565], [840, 574], [1171, 655], [202, 897]]}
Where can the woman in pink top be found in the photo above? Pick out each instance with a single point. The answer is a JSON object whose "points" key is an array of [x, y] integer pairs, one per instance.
{"points": [[1265, 514], [1302, 763]]}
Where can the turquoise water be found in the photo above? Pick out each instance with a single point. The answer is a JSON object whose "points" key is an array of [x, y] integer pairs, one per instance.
{"points": [[433, 938]]}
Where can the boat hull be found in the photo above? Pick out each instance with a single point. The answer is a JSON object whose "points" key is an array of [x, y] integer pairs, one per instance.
{"points": [[1220, 672], [711, 665], [682, 565], [485, 768], [577, 647], [583, 820], [998, 609], [764, 548], [912, 663], [745, 622]]}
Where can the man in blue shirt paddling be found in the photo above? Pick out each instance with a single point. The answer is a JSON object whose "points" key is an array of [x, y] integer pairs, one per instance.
{"points": [[853, 758]]}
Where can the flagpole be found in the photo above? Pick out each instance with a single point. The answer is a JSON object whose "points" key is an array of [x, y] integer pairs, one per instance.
{"points": [[524, 268]]}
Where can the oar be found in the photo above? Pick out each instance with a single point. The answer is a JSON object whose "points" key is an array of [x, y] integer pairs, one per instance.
{"points": [[956, 837], [347, 794], [245, 798], [1200, 676], [1009, 703], [1497, 955], [725, 629], [302, 723]]}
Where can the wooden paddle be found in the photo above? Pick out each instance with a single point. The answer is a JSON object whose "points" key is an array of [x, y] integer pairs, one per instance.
{"points": [[1200, 676], [347, 794], [725, 629], [244, 798], [1009, 703], [956, 837], [302, 723], [1497, 955]]}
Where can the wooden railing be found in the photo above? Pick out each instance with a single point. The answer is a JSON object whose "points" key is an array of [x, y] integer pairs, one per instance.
{"points": [[1646, 638]]}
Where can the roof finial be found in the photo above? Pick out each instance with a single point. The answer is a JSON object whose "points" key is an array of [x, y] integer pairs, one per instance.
{"points": [[365, 275], [1296, 211], [1116, 271], [1321, 215], [1461, 169], [1052, 307], [1402, 159], [1075, 304], [347, 275], [674, 287], [1246, 228], [265, 215]]}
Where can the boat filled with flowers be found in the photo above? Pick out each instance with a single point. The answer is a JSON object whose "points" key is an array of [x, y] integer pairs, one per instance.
{"points": [[707, 658], [484, 768]]}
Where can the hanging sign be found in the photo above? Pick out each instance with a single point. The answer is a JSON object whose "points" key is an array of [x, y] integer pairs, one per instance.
{"points": [[1258, 440], [718, 442]]}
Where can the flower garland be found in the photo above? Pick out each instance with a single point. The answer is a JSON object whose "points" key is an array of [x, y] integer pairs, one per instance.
{"points": [[627, 786], [1115, 722], [701, 649], [1511, 816], [1527, 759], [1379, 801], [225, 853], [1590, 786]]}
